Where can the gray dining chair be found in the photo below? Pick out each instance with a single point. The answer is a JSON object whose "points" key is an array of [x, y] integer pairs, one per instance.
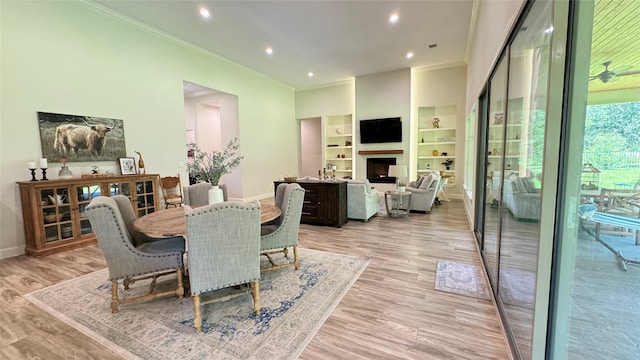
{"points": [[224, 251], [129, 262], [278, 237], [128, 215], [198, 194]]}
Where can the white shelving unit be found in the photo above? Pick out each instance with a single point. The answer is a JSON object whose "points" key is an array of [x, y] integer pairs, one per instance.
{"points": [[338, 145], [436, 145]]}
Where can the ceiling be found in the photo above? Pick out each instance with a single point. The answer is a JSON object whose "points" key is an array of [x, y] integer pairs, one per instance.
{"points": [[616, 38], [336, 40]]}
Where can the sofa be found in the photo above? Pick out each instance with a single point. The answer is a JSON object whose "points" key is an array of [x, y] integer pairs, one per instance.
{"points": [[521, 197], [424, 191], [363, 202]]}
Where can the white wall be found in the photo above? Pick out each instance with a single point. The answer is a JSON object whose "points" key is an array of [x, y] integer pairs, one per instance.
{"points": [[333, 99], [68, 57], [444, 87], [381, 96]]}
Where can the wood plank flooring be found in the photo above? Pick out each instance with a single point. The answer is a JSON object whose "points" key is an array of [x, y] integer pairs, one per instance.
{"points": [[391, 312]]}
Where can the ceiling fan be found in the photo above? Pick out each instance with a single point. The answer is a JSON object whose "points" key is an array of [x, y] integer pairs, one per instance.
{"points": [[608, 75]]}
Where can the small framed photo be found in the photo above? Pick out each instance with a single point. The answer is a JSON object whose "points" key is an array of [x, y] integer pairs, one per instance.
{"points": [[127, 166]]}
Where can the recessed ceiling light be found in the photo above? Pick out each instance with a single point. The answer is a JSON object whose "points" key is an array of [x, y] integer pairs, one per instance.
{"points": [[409, 55], [204, 12], [310, 74], [269, 51], [393, 18]]}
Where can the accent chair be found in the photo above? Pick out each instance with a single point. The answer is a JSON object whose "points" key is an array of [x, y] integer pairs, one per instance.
{"points": [[224, 251], [363, 202], [129, 262]]}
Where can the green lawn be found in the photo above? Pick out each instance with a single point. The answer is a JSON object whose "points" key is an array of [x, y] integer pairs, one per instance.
{"points": [[608, 178]]}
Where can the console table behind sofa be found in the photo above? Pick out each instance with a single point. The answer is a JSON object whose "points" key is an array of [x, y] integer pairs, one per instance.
{"points": [[325, 202]]}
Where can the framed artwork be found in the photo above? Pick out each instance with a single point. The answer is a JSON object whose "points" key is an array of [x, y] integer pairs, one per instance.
{"points": [[127, 166], [81, 138]]}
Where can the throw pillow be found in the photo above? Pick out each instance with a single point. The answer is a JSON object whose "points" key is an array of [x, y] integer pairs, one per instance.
{"points": [[427, 181], [528, 185], [420, 180]]}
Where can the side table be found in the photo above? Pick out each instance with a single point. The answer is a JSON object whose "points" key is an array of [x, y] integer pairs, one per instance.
{"points": [[397, 211]]}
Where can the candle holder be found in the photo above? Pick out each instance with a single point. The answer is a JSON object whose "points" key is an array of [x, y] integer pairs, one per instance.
{"points": [[33, 174], [44, 173]]}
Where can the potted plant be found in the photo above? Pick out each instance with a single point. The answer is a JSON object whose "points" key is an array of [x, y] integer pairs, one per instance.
{"points": [[402, 185], [210, 167], [447, 163]]}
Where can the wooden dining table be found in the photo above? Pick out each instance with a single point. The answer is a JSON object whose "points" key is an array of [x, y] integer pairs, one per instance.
{"points": [[172, 221]]}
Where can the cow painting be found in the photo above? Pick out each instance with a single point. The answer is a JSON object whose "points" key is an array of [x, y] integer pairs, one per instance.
{"points": [[71, 138], [81, 138]]}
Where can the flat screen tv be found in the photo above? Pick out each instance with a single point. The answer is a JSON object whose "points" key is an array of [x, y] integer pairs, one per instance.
{"points": [[381, 130]]}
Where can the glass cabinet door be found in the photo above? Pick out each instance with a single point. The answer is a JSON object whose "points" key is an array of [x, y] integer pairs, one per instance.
{"points": [[145, 202], [84, 194], [56, 214]]}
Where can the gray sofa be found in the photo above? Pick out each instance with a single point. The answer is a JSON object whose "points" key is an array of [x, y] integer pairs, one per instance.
{"points": [[424, 191], [363, 202], [521, 197]]}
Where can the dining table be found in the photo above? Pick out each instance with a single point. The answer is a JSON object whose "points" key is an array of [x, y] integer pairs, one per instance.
{"points": [[172, 221]]}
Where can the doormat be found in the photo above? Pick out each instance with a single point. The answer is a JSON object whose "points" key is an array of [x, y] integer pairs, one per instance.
{"points": [[460, 278]]}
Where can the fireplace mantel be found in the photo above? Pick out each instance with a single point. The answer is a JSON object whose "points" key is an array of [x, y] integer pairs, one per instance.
{"points": [[380, 152]]}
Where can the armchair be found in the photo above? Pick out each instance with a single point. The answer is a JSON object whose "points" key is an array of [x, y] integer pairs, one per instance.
{"points": [[363, 202], [424, 191], [276, 238], [198, 194], [224, 251], [127, 261]]}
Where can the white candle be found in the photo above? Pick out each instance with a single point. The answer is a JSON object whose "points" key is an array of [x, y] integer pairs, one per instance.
{"points": [[43, 163], [31, 165]]}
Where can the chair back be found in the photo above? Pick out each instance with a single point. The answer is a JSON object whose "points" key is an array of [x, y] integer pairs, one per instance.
{"points": [[112, 234], [126, 211], [172, 190], [198, 194], [286, 234], [224, 245]]}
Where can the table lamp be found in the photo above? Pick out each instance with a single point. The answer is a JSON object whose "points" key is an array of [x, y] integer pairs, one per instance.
{"points": [[400, 173]]}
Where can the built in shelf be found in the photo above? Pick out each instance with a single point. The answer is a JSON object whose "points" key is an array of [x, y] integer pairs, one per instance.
{"points": [[380, 152]]}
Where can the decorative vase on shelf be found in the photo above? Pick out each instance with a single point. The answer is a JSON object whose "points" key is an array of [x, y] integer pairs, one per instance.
{"points": [[65, 173], [434, 153], [215, 195]]}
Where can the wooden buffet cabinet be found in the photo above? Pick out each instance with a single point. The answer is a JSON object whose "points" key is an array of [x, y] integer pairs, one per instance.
{"points": [[53, 211], [325, 202]]}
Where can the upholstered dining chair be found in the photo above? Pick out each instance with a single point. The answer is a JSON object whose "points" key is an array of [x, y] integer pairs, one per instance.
{"points": [[224, 251], [128, 261], [278, 237], [171, 191], [198, 194], [137, 238]]}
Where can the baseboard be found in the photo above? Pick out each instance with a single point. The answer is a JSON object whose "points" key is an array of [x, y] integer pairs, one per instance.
{"points": [[11, 252]]}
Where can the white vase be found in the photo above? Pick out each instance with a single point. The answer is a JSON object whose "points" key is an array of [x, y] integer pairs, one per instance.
{"points": [[215, 195], [401, 189]]}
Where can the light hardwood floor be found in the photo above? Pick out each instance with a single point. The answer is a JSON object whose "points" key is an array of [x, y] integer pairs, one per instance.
{"points": [[391, 312]]}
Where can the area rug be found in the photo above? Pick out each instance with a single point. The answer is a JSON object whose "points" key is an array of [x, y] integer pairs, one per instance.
{"points": [[460, 278], [295, 304], [517, 288]]}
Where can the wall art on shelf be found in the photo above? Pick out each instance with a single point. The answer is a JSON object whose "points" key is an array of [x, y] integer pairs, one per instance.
{"points": [[81, 138], [127, 166]]}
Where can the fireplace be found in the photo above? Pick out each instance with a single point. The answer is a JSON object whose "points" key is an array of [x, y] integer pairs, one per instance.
{"points": [[378, 170]]}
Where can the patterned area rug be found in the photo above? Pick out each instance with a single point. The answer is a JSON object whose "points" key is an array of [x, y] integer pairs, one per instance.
{"points": [[459, 278], [294, 306], [517, 287]]}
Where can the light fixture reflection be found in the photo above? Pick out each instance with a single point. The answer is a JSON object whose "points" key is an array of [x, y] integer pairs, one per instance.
{"points": [[204, 12]]}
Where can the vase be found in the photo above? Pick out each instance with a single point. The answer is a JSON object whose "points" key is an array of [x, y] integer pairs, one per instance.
{"points": [[401, 189], [215, 195], [65, 173], [434, 153]]}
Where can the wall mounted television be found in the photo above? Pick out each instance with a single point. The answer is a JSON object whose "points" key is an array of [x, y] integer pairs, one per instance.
{"points": [[386, 130]]}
